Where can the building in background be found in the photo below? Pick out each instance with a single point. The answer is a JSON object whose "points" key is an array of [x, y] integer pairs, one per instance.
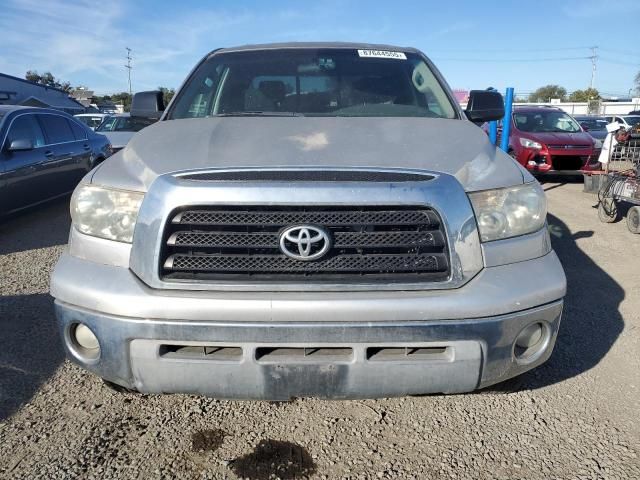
{"points": [[17, 91], [83, 96]]}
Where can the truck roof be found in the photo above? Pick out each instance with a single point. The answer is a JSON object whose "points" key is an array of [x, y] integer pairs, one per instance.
{"points": [[314, 45]]}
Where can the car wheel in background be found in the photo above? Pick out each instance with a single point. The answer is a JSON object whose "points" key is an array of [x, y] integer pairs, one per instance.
{"points": [[608, 210], [633, 219]]}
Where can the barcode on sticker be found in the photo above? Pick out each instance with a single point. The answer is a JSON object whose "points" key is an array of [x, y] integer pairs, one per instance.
{"points": [[381, 54]]}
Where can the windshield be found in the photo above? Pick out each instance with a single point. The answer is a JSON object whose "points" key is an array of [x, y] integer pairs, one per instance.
{"points": [[632, 120], [545, 121], [124, 124], [92, 122], [333, 82], [595, 124]]}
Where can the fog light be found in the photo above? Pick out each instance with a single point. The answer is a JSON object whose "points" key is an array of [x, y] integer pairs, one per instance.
{"points": [[84, 342], [530, 336], [531, 342]]}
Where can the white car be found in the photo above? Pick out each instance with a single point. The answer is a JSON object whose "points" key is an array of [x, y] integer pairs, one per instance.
{"points": [[119, 128], [627, 121], [91, 120]]}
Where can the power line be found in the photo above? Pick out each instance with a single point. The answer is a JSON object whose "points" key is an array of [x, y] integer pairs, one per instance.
{"points": [[509, 60], [617, 62], [489, 50], [627, 53]]}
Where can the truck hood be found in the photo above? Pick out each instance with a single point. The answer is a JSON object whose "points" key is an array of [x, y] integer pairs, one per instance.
{"points": [[455, 147]]}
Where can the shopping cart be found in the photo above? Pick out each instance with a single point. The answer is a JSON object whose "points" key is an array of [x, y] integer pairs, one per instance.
{"points": [[622, 185]]}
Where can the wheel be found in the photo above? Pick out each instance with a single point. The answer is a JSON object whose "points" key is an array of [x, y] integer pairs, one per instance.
{"points": [[608, 210], [633, 219]]}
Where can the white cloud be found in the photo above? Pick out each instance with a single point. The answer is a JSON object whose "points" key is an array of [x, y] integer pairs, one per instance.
{"points": [[84, 42]]}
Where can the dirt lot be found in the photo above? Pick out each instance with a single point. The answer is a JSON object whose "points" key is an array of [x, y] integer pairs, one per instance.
{"points": [[574, 417]]}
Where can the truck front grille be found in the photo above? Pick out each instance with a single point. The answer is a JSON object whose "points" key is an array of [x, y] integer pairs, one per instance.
{"points": [[392, 244]]}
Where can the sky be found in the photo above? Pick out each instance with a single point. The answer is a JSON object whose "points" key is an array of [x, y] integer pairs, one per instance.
{"points": [[476, 44]]}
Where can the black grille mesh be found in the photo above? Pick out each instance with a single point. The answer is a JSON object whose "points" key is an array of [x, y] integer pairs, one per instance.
{"points": [[280, 263], [325, 218], [242, 244], [341, 239]]}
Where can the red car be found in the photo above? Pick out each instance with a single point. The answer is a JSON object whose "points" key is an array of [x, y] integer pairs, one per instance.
{"points": [[547, 140]]}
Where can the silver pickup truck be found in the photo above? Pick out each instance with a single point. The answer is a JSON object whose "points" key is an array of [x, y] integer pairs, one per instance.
{"points": [[317, 219]]}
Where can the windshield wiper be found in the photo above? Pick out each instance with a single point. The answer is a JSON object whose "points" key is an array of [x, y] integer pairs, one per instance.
{"points": [[255, 113]]}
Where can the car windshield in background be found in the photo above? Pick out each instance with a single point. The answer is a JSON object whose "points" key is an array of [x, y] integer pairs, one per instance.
{"points": [[311, 82], [540, 122], [124, 124], [595, 124], [632, 120], [92, 122]]}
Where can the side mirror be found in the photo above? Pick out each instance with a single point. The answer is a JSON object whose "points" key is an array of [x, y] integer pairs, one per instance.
{"points": [[584, 127], [147, 105], [20, 144], [484, 106]]}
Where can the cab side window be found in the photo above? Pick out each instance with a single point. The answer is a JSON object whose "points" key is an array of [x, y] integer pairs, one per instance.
{"points": [[57, 129], [26, 127]]}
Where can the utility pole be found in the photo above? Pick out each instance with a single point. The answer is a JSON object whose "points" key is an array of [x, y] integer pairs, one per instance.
{"points": [[594, 59], [129, 67]]}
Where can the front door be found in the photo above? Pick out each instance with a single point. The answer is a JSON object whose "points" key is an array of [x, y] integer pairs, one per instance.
{"points": [[20, 170], [67, 156]]}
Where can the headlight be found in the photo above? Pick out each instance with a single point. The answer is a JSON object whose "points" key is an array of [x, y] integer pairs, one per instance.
{"points": [[509, 212], [104, 212], [525, 142]]}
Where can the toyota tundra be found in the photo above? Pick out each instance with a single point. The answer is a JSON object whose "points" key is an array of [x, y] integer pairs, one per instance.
{"points": [[310, 219]]}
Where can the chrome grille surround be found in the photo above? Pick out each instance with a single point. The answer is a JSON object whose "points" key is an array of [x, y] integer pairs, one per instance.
{"points": [[440, 192]]}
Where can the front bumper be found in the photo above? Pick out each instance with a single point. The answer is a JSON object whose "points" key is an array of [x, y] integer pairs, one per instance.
{"points": [[468, 333], [541, 161]]}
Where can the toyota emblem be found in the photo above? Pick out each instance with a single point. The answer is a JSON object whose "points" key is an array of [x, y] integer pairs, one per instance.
{"points": [[305, 242]]}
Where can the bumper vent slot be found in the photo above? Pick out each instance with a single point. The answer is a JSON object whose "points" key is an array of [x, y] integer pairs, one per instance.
{"points": [[201, 352], [386, 244], [409, 354], [304, 355]]}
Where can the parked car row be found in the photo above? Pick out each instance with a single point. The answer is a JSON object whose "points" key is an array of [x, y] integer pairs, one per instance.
{"points": [[44, 153]]}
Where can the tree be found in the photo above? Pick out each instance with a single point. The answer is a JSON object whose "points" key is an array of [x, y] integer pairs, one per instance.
{"points": [[47, 79], [546, 93], [584, 95], [167, 94], [124, 98], [637, 82]]}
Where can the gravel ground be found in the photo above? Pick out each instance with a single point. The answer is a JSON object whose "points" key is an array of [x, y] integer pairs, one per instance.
{"points": [[574, 417]]}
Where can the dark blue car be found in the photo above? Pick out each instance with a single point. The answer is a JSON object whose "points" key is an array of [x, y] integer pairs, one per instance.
{"points": [[44, 153]]}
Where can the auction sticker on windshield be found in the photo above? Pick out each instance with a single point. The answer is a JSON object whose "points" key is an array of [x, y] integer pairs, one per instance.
{"points": [[381, 54]]}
